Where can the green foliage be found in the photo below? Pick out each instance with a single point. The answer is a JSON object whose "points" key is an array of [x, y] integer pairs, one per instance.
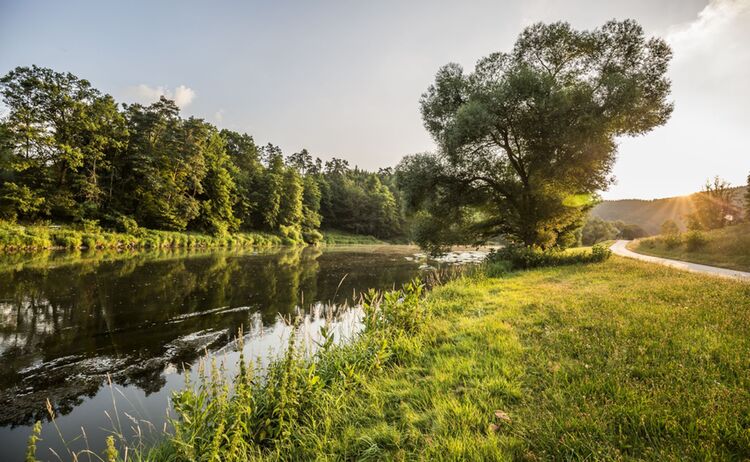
{"points": [[530, 133], [332, 237], [311, 197], [747, 199], [727, 247], [312, 236], [18, 200], [629, 231], [127, 225], [695, 240], [359, 202], [597, 230], [219, 191], [272, 416], [523, 257], [36, 430], [58, 139], [714, 206], [68, 153], [14, 237], [669, 228], [672, 241]]}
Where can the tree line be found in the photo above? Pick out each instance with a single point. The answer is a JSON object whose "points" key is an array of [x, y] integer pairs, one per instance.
{"points": [[525, 143], [70, 153]]}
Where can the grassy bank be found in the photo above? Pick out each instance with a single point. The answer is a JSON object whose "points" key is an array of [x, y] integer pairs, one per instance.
{"points": [[35, 237], [31, 238], [727, 247], [334, 237], [613, 360], [603, 361]]}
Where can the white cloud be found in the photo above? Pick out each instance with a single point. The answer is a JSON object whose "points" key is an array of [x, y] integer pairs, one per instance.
{"points": [[712, 22], [183, 96], [707, 132], [715, 43], [711, 57], [145, 94], [219, 116]]}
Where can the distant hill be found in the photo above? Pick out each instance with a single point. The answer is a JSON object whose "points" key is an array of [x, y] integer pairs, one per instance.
{"points": [[650, 214]]}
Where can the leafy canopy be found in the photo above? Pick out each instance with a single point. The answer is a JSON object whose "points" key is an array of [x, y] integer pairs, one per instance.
{"points": [[714, 206], [528, 139], [69, 153]]}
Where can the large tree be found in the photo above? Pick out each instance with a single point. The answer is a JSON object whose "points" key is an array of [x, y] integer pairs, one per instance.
{"points": [[247, 172], [59, 137], [528, 139], [164, 166]]}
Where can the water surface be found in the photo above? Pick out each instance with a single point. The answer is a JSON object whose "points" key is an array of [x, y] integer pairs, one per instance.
{"points": [[70, 323]]}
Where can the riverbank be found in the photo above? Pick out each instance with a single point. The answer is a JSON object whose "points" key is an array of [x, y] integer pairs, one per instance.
{"points": [[34, 238], [334, 237], [38, 238], [620, 359], [727, 247]]}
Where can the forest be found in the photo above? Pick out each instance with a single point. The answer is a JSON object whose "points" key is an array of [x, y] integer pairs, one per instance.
{"points": [[70, 154]]}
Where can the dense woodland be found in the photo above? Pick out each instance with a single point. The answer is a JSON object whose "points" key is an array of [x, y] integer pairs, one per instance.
{"points": [[71, 154]]}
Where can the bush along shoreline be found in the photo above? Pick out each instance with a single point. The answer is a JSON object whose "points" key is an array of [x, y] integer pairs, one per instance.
{"points": [[39, 237], [27, 238]]}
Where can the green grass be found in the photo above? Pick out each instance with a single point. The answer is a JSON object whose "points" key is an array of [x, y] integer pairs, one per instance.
{"points": [[334, 237], [36, 238], [39, 237], [727, 247], [606, 361], [619, 360]]}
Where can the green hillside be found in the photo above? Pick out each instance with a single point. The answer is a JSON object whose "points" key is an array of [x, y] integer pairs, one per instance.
{"points": [[727, 247], [650, 214]]}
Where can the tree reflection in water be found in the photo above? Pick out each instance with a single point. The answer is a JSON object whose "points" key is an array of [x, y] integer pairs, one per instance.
{"points": [[66, 321]]}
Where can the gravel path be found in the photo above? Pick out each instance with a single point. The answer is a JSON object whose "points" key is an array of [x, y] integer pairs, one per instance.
{"points": [[619, 248]]}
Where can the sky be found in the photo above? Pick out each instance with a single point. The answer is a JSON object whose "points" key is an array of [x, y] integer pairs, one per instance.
{"points": [[344, 78]]}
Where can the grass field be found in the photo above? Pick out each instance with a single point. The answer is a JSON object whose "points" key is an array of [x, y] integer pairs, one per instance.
{"points": [[619, 360], [334, 237], [727, 247]]}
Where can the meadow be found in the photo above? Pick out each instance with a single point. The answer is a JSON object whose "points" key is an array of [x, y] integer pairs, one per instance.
{"points": [[728, 247]]}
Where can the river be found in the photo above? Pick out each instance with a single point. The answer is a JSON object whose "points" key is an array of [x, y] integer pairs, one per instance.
{"points": [[72, 324]]}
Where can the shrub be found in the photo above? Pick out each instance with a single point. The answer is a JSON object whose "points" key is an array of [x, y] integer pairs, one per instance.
{"points": [[89, 226], [312, 236], [67, 239], [672, 241], [291, 234], [522, 257], [695, 240], [495, 269], [88, 241], [600, 253], [670, 228]]}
